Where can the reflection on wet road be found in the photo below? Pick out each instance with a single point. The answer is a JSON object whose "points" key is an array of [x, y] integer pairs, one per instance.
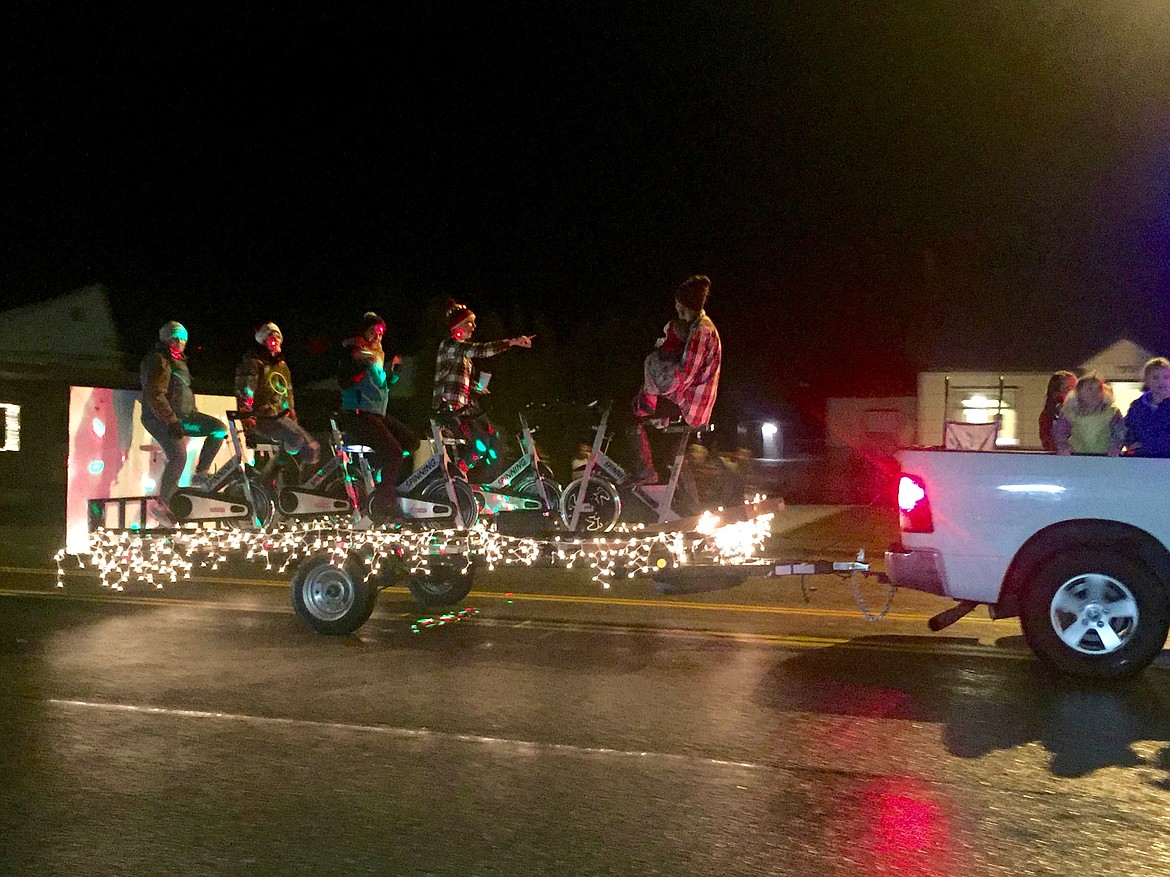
{"points": [[203, 730]]}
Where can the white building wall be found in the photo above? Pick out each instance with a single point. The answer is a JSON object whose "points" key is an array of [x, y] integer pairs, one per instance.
{"points": [[879, 423], [1028, 389]]}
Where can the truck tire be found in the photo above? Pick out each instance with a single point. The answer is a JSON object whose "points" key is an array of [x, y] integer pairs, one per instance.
{"points": [[1095, 613], [333, 600], [444, 586]]}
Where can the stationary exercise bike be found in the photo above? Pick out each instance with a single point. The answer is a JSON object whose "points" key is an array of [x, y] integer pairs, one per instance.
{"points": [[604, 493], [346, 484], [237, 492], [527, 484]]}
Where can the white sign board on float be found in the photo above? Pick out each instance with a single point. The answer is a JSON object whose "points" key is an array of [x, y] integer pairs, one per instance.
{"points": [[112, 455]]}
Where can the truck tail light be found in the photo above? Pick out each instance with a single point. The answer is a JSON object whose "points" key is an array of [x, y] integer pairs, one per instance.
{"points": [[914, 505]]}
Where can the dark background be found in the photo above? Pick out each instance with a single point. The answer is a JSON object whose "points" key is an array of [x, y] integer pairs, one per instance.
{"points": [[874, 189]]}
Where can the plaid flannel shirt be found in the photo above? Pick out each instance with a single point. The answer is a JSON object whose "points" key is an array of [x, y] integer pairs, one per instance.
{"points": [[697, 383], [453, 369]]}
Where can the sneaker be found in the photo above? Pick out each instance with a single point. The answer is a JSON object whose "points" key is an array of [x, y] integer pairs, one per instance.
{"points": [[643, 477], [161, 512], [201, 480]]}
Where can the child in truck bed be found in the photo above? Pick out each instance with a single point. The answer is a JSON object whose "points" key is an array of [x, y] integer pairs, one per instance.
{"points": [[1089, 421], [1147, 425]]}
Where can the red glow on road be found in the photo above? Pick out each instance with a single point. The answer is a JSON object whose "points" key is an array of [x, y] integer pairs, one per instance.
{"points": [[908, 833]]}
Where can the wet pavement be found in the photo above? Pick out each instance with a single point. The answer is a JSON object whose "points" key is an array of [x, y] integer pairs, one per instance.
{"points": [[556, 728]]}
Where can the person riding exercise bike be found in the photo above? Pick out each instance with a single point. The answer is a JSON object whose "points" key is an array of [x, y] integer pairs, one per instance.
{"points": [[452, 396], [264, 389], [365, 392], [170, 416]]}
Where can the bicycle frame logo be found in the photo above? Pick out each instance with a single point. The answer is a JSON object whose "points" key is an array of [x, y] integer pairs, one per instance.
{"points": [[420, 475], [610, 468], [513, 470]]}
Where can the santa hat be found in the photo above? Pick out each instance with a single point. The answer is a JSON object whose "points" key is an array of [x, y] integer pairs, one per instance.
{"points": [[266, 330], [693, 292], [457, 313]]}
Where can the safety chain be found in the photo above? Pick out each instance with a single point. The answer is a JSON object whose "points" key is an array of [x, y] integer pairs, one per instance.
{"points": [[855, 580]]}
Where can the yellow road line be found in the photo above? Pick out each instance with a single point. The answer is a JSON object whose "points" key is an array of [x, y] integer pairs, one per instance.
{"points": [[112, 597], [916, 645], [570, 599]]}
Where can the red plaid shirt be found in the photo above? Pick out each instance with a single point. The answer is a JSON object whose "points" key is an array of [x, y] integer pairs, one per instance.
{"points": [[453, 369], [697, 383]]}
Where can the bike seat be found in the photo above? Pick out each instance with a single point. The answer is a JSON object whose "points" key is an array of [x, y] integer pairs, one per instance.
{"points": [[261, 447], [450, 439], [678, 426]]}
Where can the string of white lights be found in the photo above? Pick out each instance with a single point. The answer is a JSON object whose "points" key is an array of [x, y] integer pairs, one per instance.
{"points": [[159, 558]]}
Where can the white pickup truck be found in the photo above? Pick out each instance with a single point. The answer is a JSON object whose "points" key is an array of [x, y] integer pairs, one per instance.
{"points": [[1077, 547]]}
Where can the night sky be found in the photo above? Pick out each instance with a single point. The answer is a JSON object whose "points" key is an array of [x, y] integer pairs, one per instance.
{"points": [[873, 188]]}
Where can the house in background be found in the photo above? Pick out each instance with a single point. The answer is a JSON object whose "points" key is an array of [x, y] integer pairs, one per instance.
{"points": [[974, 396], [880, 425], [44, 349], [862, 434], [75, 330]]}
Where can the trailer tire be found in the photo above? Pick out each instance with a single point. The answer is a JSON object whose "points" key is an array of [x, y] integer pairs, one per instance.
{"points": [[1096, 613], [444, 586], [330, 599]]}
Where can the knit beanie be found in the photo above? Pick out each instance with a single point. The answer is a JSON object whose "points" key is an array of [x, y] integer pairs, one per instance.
{"points": [[268, 329], [457, 313], [369, 318], [693, 292], [172, 329]]}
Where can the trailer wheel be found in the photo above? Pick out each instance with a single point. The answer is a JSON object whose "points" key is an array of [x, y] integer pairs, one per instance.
{"points": [[444, 586], [1095, 613], [333, 600]]}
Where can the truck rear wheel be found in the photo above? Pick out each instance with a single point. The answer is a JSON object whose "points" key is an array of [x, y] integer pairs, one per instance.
{"points": [[1095, 613]]}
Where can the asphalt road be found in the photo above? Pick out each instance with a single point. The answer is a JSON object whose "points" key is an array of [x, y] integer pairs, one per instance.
{"points": [[553, 728]]}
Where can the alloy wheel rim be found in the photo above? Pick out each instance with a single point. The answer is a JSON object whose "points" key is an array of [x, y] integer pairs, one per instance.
{"points": [[1094, 614]]}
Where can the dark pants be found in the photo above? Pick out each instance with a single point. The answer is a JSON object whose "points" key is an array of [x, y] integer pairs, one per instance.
{"points": [[481, 440], [290, 435], [639, 440], [175, 447], [385, 435]]}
